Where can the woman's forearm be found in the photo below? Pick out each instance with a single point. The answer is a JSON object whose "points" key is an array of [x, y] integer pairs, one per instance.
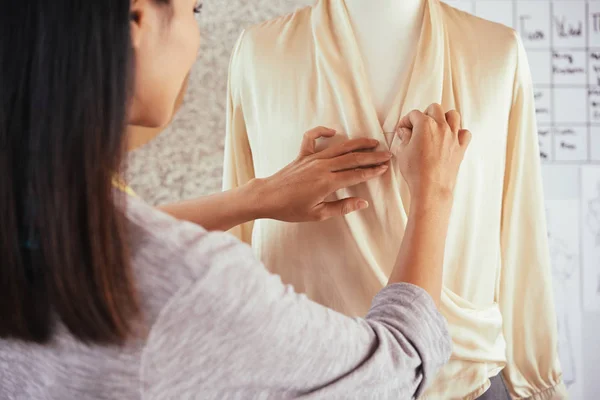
{"points": [[421, 257], [220, 211]]}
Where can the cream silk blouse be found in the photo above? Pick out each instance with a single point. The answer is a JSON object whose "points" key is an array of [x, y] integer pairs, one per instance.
{"points": [[305, 69]]}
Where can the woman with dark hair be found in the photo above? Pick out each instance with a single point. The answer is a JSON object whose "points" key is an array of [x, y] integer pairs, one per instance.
{"points": [[104, 297]]}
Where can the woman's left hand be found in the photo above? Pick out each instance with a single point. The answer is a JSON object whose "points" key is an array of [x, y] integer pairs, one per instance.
{"points": [[297, 193]]}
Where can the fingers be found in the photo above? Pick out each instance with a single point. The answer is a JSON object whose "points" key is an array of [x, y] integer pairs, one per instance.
{"points": [[464, 138], [309, 142], [351, 177], [453, 119], [436, 112], [349, 146], [411, 120], [405, 135], [358, 160], [341, 207]]}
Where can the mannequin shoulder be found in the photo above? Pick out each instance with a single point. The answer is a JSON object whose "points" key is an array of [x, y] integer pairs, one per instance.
{"points": [[469, 32], [280, 32], [480, 43], [269, 48]]}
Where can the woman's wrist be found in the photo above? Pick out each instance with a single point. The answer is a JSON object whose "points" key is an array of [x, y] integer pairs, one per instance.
{"points": [[438, 201], [255, 199]]}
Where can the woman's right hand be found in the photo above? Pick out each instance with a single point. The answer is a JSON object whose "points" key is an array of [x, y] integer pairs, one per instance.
{"points": [[432, 148], [297, 193]]}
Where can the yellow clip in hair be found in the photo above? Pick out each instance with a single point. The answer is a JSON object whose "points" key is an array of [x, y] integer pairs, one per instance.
{"points": [[123, 187]]}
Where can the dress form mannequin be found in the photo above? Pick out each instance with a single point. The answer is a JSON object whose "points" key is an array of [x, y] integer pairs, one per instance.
{"points": [[387, 34], [350, 58]]}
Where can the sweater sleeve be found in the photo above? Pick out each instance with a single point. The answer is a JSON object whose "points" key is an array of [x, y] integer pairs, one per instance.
{"points": [[238, 166], [526, 299], [238, 331]]}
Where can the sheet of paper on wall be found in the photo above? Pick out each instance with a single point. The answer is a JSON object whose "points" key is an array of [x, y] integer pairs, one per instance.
{"points": [[563, 238], [590, 206]]}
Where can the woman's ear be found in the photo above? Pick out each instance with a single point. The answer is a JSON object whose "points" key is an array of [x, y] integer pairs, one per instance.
{"points": [[136, 17]]}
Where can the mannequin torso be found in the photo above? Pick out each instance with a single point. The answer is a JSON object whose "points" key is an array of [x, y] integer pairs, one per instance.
{"points": [[387, 34], [496, 324]]}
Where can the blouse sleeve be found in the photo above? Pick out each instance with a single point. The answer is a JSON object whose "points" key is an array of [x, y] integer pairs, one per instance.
{"points": [[238, 166], [237, 330], [526, 299]]}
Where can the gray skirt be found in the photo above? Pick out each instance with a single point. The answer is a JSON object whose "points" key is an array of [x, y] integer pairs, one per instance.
{"points": [[497, 390]]}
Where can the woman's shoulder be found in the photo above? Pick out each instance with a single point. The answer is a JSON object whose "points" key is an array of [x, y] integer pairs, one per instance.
{"points": [[169, 255]]}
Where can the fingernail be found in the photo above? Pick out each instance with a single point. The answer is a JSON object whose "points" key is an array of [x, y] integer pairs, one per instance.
{"points": [[384, 167], [362, 205]]}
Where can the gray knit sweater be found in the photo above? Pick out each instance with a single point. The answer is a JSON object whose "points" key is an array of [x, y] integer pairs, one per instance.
{"points": [[217, 325]]}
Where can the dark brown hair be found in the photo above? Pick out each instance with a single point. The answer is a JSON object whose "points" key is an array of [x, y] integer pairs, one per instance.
{"points": [[65, 76]]}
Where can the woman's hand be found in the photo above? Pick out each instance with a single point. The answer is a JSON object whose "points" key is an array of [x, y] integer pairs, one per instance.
{"points": [[297, 193], [432, 149]]}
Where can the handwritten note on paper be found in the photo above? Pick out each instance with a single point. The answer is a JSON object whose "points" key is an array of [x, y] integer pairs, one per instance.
{"points": [[563, 240], [570, 143], [594, 67], [569, 24], [593, 24], [594, 104], [533, 23], [569, 67], [543, 110], [545, 143], [590, 206]]}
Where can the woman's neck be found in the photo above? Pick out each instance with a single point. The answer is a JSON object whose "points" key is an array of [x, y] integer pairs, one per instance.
{"points": [[382, 12]]}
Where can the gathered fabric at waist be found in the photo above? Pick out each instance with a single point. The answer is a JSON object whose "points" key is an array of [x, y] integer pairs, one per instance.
{"points": [[476, 331], [478, 352]]}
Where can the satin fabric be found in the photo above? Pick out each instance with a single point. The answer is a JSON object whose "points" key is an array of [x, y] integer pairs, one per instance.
{"points": [[305, 69]]}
